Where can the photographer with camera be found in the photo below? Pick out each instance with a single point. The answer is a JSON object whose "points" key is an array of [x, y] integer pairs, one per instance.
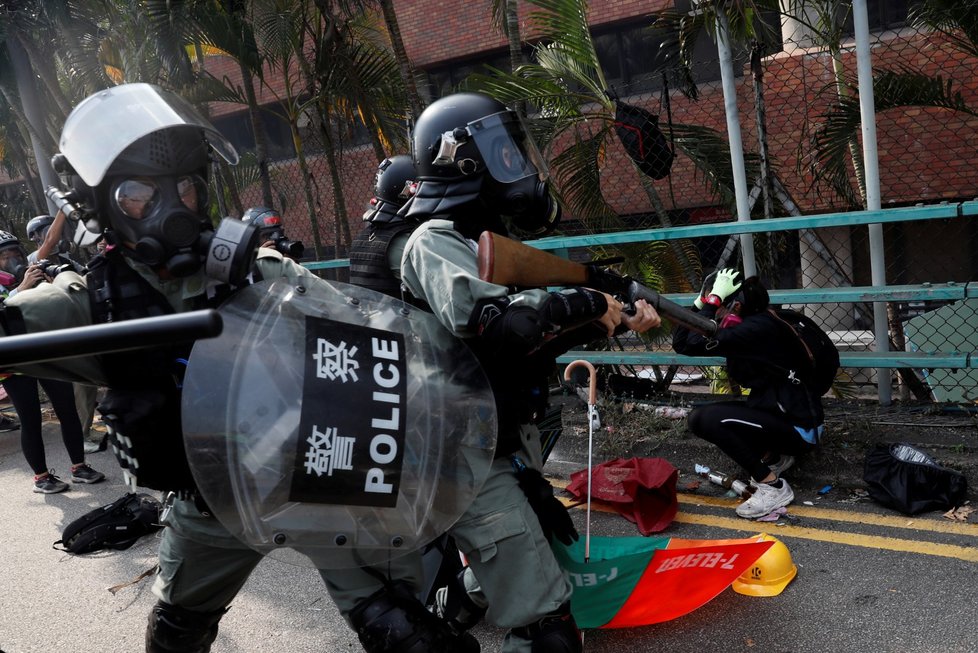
{"points": [[53, 254], [16, 277], [271, 231]]}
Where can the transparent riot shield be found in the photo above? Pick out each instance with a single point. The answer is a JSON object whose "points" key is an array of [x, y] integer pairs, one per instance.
{"points": [[333, 426]]}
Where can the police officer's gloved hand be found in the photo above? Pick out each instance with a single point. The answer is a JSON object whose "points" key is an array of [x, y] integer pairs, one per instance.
{"points": [[705, 289], [554, 518], [725, 286]]}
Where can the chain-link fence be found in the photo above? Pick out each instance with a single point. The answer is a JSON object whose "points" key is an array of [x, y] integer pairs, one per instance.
{"points": [[799, 115], [799, 99]]}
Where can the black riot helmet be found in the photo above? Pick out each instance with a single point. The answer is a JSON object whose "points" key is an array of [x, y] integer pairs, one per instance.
{"points": [[267, 221], [136, 158], [469, 145], [393, 186]]}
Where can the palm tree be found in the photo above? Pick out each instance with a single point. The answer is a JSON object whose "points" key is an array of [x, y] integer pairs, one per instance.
{"points": [[576, 116], [338, 71], [836, 136]]}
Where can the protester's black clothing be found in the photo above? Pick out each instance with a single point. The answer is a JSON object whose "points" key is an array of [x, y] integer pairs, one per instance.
{"points": [[747, 434], [778, 414], [24, 395], [759, 352]]}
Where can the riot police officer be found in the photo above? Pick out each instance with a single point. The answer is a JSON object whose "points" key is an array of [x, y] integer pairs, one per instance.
{"points": [[375, 256], [144, 187], [477, 169], [382, 603]]}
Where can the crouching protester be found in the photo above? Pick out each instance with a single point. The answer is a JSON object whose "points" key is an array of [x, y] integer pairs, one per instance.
{"points": [[781, 417], [134, 161], [478, 170]]}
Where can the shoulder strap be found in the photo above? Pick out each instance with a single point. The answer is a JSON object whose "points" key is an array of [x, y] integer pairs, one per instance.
{"points": [[804, 345]]}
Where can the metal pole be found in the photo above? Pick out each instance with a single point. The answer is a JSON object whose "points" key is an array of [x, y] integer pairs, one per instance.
{"points": [[867, 113], [736, 143]]}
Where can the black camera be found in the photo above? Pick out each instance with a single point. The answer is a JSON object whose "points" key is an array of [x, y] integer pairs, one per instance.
{"points": [[53, 268], [291, 248]]}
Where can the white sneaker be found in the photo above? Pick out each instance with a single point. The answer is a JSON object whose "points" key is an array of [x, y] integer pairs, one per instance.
{"points": [[780, 465], [766, 499]]}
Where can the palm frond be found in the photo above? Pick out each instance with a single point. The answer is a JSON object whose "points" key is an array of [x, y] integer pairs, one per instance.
{"points": [[955, 19], [709, 152], [840, 124], [576, 171]]}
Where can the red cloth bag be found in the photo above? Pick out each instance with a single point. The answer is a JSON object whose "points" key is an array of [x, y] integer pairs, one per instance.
{"points": [[643, 490]]}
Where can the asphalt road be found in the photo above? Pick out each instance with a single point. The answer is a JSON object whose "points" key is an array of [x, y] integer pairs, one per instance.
{"points": [[868, 579]]}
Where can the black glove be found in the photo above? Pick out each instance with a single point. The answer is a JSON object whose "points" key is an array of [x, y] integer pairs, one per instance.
{"points": [[554, 518]]}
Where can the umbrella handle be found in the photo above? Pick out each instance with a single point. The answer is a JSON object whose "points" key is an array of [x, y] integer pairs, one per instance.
{"points": [[592, 397]]}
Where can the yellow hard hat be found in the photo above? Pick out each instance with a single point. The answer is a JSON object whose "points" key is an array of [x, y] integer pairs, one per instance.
{"points": [[770, 574]]}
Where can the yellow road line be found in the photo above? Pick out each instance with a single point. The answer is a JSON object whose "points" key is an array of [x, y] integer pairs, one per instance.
{"points": [[966, 553], [855, 517]]}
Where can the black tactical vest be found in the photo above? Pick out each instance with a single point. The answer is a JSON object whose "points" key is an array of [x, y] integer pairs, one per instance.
{"points": [[142, 404], [368, 257]]}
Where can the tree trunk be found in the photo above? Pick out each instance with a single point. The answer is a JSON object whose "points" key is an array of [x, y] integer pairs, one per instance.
{"points": [[32, 115], [415, 103], [854, 152], [47, 74], [261, 138]]}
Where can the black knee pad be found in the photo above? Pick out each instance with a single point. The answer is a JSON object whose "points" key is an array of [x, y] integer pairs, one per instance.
{"points": [[393, 620], [173, 629], [555, 633]]}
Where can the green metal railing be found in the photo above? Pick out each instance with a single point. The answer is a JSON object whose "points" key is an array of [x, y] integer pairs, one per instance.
{"points": [[934, 291]]}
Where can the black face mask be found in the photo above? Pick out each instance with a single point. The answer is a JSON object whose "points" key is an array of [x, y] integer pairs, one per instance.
{"points": [[161, 217], [526, 205]]}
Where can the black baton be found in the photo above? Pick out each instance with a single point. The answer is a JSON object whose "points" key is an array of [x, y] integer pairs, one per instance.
{"points": [[141, 333]]}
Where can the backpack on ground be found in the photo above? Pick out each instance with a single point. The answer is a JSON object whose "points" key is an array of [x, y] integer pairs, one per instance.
{"points": [[819, 360], [904, 478], [114, 526]]}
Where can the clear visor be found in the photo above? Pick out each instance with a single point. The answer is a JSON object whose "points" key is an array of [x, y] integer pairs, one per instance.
{"points": [[509, 153], [139, 198], [106, 123], [37, 237]]}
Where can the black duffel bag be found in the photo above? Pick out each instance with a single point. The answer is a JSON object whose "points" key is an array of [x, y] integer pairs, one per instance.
{"points": [[904, 478]]}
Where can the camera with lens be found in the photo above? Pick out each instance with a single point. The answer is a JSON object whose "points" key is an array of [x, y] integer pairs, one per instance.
{"points": [[291, 248], [53, 268]]}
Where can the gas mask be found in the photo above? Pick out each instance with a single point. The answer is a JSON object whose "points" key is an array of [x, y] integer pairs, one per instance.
{"points": [[133, 162], [13, 265], [158, 217]]}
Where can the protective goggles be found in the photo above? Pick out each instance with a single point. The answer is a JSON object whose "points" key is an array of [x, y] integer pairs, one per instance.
{"points": [[501, 139], [141, 198]]}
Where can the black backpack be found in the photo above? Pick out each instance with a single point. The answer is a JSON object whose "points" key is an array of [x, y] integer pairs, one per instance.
{"points": [[904, 478], [819, 359], [115, 526]]}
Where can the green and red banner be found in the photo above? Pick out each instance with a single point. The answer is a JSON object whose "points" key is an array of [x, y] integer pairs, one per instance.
{"points": [[637, 581]]}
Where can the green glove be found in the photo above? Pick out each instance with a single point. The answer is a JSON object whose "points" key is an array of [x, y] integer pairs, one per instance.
{"points": [[726, 284], [705, 289]]}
